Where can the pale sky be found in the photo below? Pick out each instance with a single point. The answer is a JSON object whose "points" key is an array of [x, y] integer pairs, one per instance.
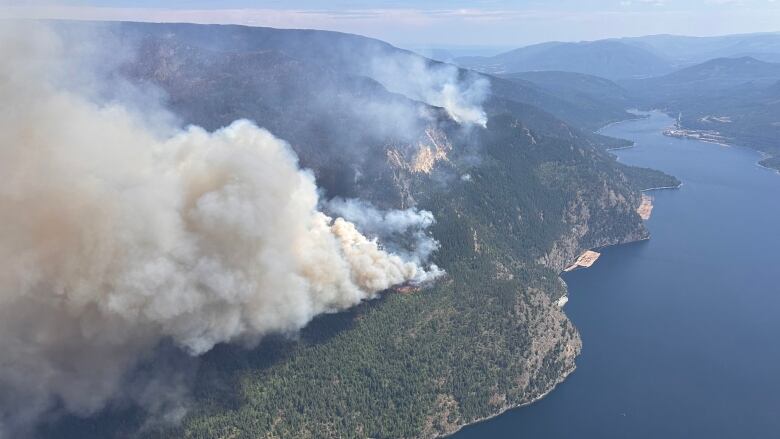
{"points": [[438, 23]]}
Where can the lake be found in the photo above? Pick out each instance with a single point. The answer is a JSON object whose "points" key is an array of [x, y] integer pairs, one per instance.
{"points": [[680, 333]]}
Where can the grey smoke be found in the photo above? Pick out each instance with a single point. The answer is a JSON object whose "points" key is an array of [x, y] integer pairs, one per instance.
{"points": [[116, 236], [437, 84]]}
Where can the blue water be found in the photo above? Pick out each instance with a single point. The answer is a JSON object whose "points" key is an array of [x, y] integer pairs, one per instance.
{"points": [[681, 334]]}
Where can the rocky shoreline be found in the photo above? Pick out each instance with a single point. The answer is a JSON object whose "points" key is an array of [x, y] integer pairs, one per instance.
{"points": [[537, 398], [578, 344], [560, 379], [562, 251]]}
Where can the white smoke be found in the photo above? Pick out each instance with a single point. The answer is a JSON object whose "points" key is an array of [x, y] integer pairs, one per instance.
{"points": [[403, 232], [114, 237], [435, 84]]}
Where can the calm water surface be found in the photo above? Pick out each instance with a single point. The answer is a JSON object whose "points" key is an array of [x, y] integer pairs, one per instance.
{"points": [[681, 334]]}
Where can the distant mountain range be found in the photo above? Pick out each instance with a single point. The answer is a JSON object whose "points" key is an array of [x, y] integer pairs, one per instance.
{"points": [[727, 70], [607, 58], [626, 58], [683, 50], [706, 80]]}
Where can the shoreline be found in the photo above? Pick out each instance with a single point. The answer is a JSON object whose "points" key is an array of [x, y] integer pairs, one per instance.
{"points": [[560, 379], [538, 398], [693, 163], [640, 116], [634, 111], [618, 148], [714, 137], [661, 188], [726, 143]]}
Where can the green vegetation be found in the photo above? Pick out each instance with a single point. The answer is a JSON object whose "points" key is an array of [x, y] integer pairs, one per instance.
{"points": [[645, 178], [486, 337]]}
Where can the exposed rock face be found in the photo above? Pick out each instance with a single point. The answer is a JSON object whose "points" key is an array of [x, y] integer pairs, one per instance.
{"points": [[585, 219], [422, 157]]}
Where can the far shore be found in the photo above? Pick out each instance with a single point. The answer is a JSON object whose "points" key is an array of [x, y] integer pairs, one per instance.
{"points": [[636, 112]]}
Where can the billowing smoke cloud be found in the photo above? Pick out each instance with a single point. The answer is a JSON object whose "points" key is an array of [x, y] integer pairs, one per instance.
{"points": [[441, 85], [115, 237], [403, 232]]}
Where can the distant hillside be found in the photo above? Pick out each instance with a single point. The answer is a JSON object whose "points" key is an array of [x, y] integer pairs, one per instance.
{"points": [[706, 80], [684, 50], [585, 100], [724, 72], [576, 82], [606, 58]]}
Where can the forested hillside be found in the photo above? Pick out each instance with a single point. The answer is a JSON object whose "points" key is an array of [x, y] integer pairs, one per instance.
{"points": [[515, 201]]}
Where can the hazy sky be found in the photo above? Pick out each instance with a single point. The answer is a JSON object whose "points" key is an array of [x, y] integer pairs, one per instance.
{"points": [[503, 23]]}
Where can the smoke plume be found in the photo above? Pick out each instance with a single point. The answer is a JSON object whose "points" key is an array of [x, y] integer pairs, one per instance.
{"points": [[116, 236], [403, 232], [441, 85]]}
